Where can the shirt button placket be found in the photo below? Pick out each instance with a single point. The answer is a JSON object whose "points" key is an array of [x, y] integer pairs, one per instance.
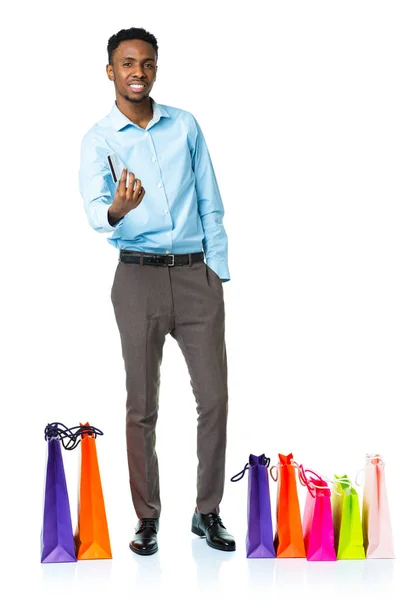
{"points": [[160, 186]]}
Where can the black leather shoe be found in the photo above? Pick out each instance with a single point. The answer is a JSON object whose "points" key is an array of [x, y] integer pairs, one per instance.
{"points": [[211, 527], [145, 540]]}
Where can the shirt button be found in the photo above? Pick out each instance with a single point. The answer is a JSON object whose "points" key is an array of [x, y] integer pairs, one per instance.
{"points": [[147, 134], [168, 234], [166, 211], [154, 159], [159, 184], [166, 251]]}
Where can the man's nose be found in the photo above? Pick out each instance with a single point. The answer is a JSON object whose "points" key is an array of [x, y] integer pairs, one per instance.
{"points": [[140, 73]]}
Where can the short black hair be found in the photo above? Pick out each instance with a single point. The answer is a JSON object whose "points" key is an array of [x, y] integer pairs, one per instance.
{"points": [[134, 33]]}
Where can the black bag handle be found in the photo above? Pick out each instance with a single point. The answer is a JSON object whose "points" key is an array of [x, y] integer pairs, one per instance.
{"points": [[264, 461], [62, 432]]}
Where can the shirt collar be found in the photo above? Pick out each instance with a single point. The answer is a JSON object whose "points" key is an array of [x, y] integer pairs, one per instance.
{"points": [[119, 120]]}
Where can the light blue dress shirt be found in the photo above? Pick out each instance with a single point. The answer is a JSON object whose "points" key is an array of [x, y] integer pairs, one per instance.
{"points": [[182, 210]]}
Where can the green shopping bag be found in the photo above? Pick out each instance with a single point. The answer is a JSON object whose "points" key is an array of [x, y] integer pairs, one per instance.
{"points": [[347, 520]]}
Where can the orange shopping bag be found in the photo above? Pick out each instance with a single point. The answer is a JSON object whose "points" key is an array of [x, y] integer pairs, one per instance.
{"points": [[91, 535], [289, 541]]}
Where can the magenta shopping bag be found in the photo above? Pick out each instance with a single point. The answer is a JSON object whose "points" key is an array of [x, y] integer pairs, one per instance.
{"points": [[317, 520], [57, 540], [259, 537]]}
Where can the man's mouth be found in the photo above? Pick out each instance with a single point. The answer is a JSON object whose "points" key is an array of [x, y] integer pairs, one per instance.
{"points": [[137, 87]]}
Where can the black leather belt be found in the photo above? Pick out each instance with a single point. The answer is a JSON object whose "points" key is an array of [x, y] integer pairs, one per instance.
{"points": [[165, 260]]}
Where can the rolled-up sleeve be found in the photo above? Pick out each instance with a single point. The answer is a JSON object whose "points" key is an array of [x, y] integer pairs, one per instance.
{"points": [[210, 207], [95, 184]]}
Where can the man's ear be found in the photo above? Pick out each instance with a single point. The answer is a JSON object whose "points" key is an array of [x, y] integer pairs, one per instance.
{"points": [[109, 71]]}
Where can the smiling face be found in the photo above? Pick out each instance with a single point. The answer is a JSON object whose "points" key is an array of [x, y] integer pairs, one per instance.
{"points": [[133, 70]]}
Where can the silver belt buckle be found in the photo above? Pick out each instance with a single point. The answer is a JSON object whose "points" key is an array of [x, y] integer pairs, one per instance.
{"points": [[173, 260]]}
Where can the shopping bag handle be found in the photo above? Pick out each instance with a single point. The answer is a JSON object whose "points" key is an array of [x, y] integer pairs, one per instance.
{"points": [[264, 462], [62, 432], [311, 486], [240, 475], [369, 459], [279, 464], [306, 481]]}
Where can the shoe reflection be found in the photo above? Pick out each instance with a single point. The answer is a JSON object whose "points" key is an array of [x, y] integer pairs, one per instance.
{"points": [[208, 563]]}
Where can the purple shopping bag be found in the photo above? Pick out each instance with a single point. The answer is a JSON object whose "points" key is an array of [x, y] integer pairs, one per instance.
{"points": [[57, 540], [259, 537]]}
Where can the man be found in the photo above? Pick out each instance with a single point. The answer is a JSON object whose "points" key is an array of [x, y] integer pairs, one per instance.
{"points": [[166, 215]]}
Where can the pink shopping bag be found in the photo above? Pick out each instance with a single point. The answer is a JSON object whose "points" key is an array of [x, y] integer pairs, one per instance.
{"points": [[376, 522], [317, 520]]}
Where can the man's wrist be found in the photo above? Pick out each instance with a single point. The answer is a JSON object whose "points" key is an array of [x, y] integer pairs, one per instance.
{"points": [[113, 217]]}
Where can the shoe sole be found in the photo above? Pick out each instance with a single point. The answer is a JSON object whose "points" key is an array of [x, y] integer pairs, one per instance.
{"points": [[144, 552], [201, 533]]}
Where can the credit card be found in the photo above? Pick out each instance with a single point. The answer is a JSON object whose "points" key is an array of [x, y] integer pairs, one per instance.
{"points": [[116, 166]]}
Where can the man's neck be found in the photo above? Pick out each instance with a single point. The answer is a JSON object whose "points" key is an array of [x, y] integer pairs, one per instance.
{"points": [[139, 113]]}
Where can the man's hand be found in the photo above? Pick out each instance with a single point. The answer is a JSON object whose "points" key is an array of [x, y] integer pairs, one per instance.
{"points": [[126, 198]]}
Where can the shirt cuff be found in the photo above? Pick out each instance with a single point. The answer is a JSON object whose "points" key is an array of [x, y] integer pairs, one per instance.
{"points": [[102, 216], [219, 267]]}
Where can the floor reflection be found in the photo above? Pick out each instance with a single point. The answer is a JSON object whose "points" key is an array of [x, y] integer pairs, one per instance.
{"points": [[55, 575], [260, 573], [379, 571], [208, 563], [290, 571], [148, 572]]}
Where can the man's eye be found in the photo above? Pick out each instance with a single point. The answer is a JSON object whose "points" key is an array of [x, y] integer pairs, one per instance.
{"points": [[150, 65], [125, 64]]}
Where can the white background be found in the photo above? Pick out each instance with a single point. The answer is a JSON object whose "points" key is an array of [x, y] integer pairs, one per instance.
{"points": [[309, 113]]}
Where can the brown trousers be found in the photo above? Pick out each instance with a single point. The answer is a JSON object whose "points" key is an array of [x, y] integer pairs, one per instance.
{"points": [[187, 302]]}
